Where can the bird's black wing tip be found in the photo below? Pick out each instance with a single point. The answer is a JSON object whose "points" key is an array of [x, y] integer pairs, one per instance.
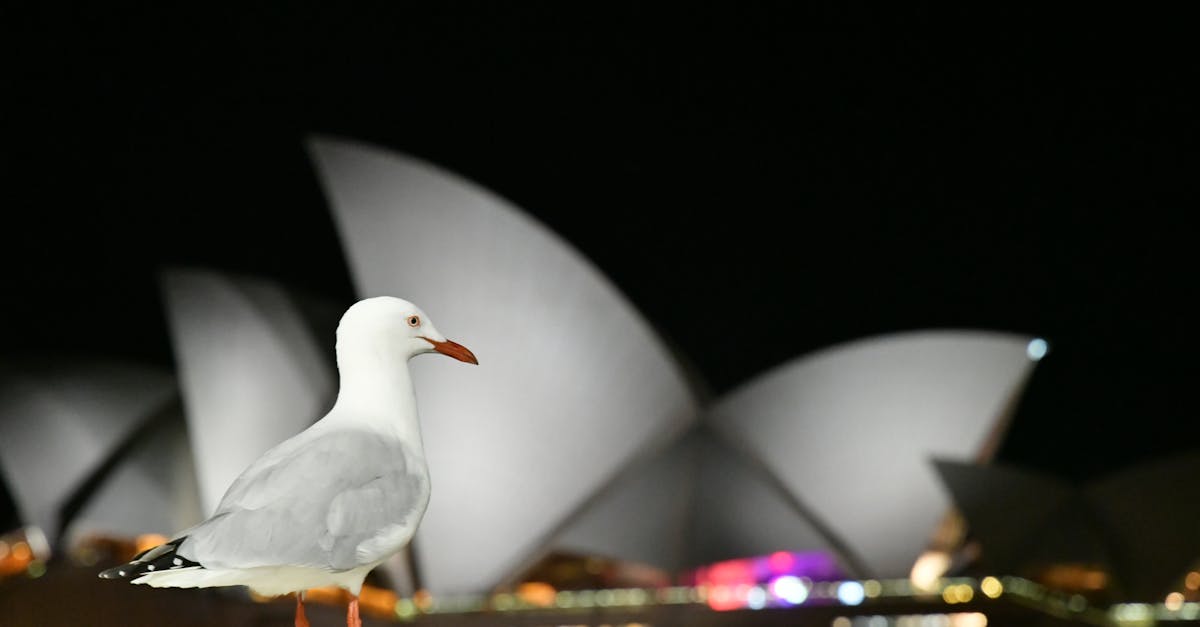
{"points": [[159, 558]]}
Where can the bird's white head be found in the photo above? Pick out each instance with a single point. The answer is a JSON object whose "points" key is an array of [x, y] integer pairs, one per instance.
{"points": [[385, 324]]}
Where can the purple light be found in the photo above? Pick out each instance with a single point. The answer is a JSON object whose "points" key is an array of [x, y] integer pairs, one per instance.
{"points": [[811, 565], [816, 565]]}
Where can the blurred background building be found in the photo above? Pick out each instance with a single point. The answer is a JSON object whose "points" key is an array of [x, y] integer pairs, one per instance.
{"points": [[739, 366]]}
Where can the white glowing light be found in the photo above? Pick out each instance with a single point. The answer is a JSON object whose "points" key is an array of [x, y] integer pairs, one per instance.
{"points": [[756, 598], [929, 568], [968, 619], [936, 620], [791, 589], [850, 593], [1037, 348]]}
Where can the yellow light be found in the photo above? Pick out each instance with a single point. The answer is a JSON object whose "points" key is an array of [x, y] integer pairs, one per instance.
{"points": [[1096, 580], [841, 621], [37, 569], [148, 541], [991, 587], [380, 601], [1192, 581], [872, 588], [960, 593], [537, 593], [928, 569], [405, 609], [21, 552], [676, 594], [1174, 601], [329, 595], [423, 600]]}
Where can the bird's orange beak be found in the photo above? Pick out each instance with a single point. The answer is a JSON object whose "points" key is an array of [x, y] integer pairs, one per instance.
{"points": [[453, 349]]}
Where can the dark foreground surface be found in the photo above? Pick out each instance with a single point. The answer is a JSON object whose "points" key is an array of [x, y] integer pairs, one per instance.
{"points": [[76, 597]]}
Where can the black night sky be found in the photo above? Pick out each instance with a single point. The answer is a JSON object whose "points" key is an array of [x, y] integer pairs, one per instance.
{"points": [[808, 175]]}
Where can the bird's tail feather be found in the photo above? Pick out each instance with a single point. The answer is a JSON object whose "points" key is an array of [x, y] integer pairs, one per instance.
{"points": [[158, 559]]}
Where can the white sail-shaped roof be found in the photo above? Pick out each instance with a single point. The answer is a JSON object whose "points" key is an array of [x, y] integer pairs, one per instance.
{"points": [[250, 371], [152, 489], [572, 383], [851, 431], [740, 511], [644, 515], [61, 417], [695, 503]]}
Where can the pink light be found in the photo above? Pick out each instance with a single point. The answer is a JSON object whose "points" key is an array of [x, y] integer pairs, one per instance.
{"points": [[724, 598], [732, 572], [781, 562], [812, 565]]}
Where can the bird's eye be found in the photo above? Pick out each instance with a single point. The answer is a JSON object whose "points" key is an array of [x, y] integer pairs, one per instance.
{"points": [[414, 321]]}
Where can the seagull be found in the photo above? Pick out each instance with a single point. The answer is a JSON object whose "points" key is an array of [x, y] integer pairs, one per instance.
{"points": [[326, 506]]}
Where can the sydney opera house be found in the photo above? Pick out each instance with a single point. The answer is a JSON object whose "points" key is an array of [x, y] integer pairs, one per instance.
{"points": [[580, 475]]}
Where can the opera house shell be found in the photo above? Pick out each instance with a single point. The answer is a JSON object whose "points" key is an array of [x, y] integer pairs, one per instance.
{"points": [[579, 432]]}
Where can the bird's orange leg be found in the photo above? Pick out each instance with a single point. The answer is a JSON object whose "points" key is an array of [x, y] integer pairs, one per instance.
{"points": [[352, 618], [301, 619]]}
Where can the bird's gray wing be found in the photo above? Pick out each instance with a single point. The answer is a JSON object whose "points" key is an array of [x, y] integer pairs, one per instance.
{"points": [[337, 501]]}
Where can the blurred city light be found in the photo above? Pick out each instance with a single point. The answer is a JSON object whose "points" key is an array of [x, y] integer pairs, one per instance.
{"points": [[790, 589], [850, 593], [756, 599], [148, 541], [1037, 348], [928, 569], [968, 619], [537, 593], [958, 593], [24, 551]]}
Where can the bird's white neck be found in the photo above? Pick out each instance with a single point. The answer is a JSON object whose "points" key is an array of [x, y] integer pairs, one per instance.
{"points": [[377, 391]]}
